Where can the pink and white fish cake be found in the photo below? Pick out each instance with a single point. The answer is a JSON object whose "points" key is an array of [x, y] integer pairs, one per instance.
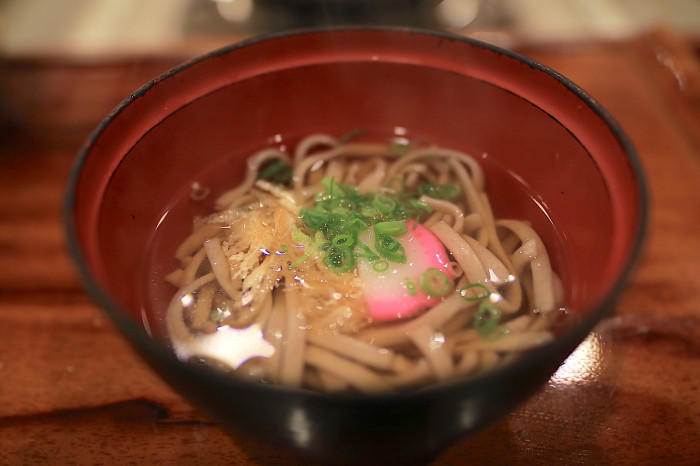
{"points": [[396, 292]]}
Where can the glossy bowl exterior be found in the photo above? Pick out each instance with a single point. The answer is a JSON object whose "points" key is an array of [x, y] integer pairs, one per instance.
{"points": [[200, 121]]}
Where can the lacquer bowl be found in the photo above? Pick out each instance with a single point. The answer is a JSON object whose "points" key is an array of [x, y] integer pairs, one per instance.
{"points": [[550, 152]]}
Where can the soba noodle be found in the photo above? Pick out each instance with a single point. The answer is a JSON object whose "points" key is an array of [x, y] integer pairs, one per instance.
{"points": [[260, 294]]}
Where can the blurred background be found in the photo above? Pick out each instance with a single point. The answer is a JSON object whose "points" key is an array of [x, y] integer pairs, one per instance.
{"points": [[109, 27], [65, 63]]}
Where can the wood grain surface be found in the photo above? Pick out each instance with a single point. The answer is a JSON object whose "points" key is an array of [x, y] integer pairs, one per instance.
{"points": [[73, 391]]}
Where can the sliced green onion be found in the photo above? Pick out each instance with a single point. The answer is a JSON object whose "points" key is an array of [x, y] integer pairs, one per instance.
{"points": [[384, 204], [486, 319], [340, 214], [469, 295], [447, 191], [409, 286], [333, 190], [278, 171], [389, 244], [390, 248], [380, 266], [395, 228], [435, 283], [367, 253], [356, 225], [339, 260], [343, 241], [420, 205], [369, 210], [314, 218]]}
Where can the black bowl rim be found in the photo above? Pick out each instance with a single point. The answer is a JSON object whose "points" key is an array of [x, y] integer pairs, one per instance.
{"points": [[154, 352]]}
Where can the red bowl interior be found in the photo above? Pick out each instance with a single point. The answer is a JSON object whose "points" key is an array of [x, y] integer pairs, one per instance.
{"points": [[549, 154]]}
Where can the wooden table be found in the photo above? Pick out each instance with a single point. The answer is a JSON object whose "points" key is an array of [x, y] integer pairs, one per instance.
{"points": [[72, 390]]}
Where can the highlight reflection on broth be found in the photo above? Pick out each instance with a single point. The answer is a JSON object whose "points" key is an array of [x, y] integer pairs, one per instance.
{"points": [[364, 267]]}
